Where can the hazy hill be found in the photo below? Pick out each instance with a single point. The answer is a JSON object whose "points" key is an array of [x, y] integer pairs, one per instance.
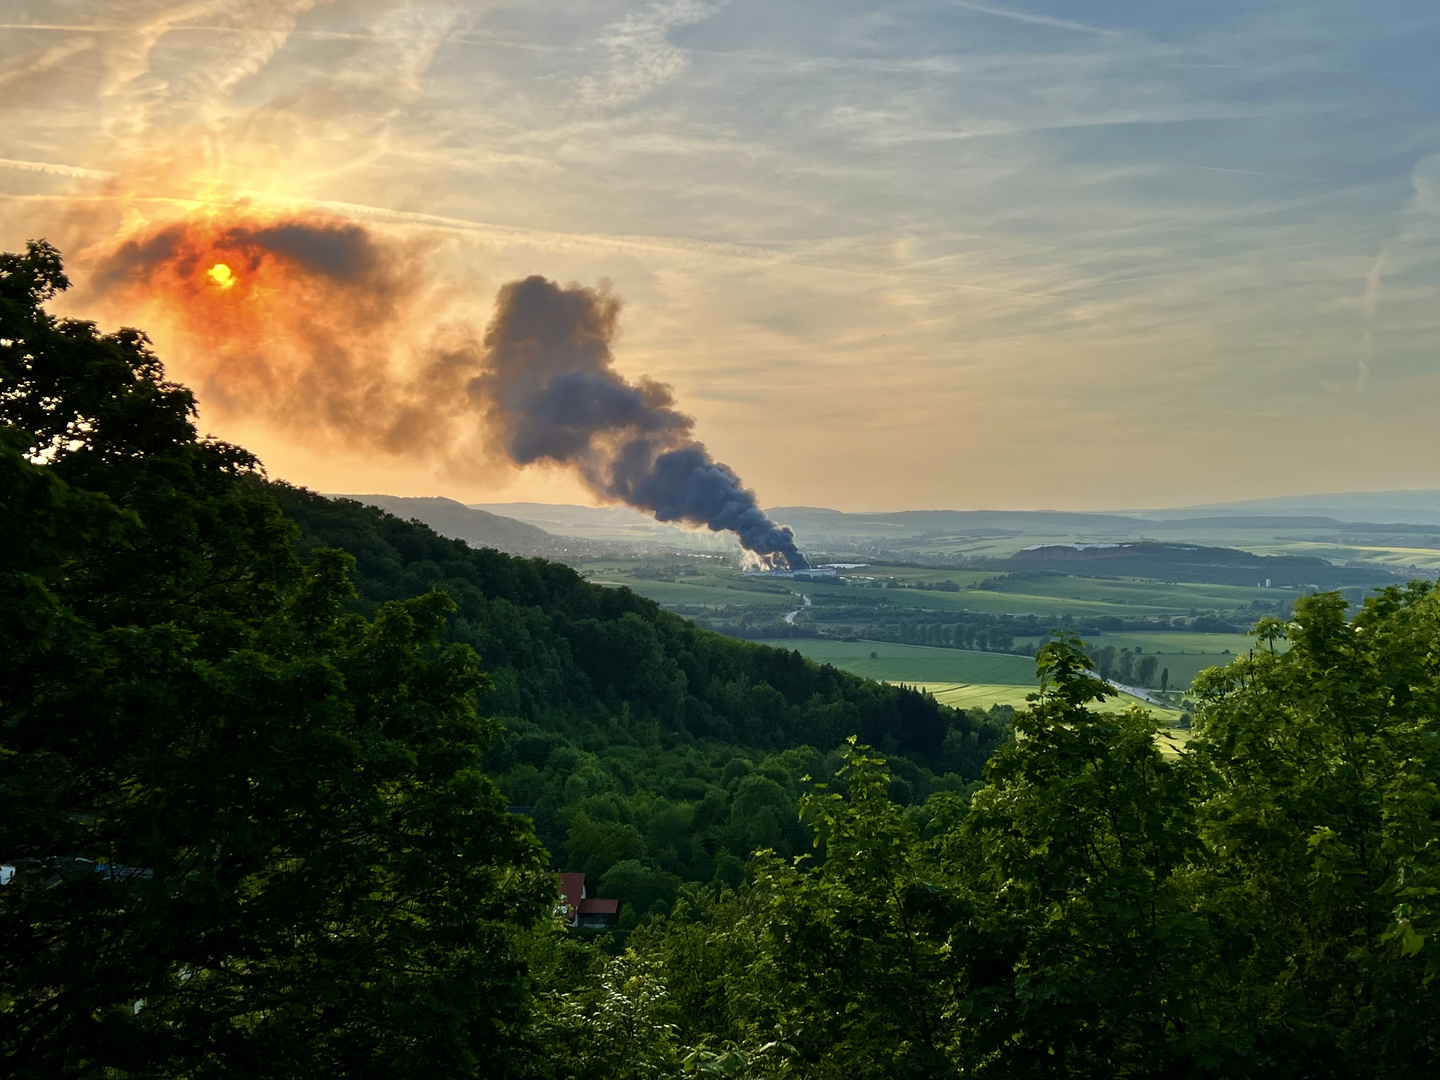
{"points": [[821, 521], [1188, 562], [1411, 507], [478, 528], [608, 524]]}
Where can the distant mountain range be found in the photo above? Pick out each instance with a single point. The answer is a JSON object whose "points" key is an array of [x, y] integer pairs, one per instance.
{"points": [[1409, 507], [1340, 526]]}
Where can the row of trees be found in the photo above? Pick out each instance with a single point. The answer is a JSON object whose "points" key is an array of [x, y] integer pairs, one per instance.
{"points": [[1130, 667]]}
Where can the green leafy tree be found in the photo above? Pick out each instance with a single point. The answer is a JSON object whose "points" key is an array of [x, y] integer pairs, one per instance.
{"points": [[1082, 842], [250, 831], [1263, 906], [616, 1025], [859, 947], [1324, 818], [642, 888]]}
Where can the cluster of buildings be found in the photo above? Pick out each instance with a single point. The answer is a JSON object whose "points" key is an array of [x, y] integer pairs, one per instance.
{"points": [[581, 910]]}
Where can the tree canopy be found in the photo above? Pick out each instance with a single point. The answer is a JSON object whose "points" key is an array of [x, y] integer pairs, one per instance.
{"points": [[255, 794], [250, 831], [1262, 905]]}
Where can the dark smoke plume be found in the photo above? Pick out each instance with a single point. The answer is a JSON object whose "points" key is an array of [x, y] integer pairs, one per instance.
{"points": [[316, 326], [553, 394]]}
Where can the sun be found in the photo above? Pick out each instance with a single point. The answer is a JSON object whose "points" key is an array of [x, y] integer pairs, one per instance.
{"points": [[221, 275]]}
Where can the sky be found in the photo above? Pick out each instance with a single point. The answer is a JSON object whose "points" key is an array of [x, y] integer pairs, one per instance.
{"points": [[887, 255]]}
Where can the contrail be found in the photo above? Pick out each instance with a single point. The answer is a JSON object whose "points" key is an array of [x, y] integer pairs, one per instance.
{"points": [[56, 170]]}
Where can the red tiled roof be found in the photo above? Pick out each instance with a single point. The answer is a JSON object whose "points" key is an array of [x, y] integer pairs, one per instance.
{"points": [[572, 888], [599, 907]]}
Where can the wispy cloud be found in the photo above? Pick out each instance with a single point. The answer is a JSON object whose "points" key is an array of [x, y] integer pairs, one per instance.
{"points": [[1256, 172], [641, 55], [881, 235]]}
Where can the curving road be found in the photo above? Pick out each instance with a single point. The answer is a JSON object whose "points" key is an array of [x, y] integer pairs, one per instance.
{"points": [[791, 617]]}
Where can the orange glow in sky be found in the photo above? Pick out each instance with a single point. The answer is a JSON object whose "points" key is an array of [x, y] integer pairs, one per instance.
{"points": [[993, 259]]}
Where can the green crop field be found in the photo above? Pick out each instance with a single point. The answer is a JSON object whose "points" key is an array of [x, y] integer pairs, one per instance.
{"points": [[916, 663], [1184, 653], [1046, 597], [984, 695], [1054, 597], [966, 680], [977, 695]]}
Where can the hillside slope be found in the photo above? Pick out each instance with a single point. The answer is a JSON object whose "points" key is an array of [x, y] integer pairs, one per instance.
{"points": [[478, 528], [637, 739]]}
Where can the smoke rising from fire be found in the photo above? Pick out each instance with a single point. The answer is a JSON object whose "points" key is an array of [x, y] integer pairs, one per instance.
{"points": [[327, 329], [554, 395]]}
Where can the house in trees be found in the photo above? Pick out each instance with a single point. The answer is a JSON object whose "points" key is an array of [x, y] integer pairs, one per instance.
{"points": [[582, 911]]}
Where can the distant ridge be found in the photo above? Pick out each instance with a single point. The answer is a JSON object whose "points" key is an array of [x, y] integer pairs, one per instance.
{"points": [[899, 522], [1418, 507], [478, 528], [610, 525], [1190, 562]]}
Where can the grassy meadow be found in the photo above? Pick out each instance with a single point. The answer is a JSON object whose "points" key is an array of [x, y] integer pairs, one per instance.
{"points": [[958, 677]]}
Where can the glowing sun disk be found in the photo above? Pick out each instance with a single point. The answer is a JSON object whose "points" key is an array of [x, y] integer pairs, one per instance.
{"points": [[221, 275]]}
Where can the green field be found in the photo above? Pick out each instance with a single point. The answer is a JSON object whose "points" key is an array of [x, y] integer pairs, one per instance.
{"points": [[984, 695], [916, 663], [712, 588], [968, 680], [1046, 597], [978, 695], [1183, 652]]}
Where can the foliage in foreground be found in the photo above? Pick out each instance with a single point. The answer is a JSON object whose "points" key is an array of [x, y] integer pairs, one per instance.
{"points": [[1264, 905], [250, 832], [253, 834]]}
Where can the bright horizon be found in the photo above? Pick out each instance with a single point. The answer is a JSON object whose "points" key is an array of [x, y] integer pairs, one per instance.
{"points": [[889, 256]]}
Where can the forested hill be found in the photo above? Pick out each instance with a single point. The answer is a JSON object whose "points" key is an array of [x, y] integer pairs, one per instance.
{"points": [[1192, 562], [476, 527], [247, 832], [635, 737]]}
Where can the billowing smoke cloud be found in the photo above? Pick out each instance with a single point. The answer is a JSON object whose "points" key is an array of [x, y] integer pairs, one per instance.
{"points": [[553, 394], [316, 324]]}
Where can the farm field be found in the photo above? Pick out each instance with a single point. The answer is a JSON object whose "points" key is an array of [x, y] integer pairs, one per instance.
{"points": [[977, 695], [916, 664], [966, 680], [1045, 597], [1185, 653], [1173, 742], [711, 594], [984, 695], [1058, 596]]}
